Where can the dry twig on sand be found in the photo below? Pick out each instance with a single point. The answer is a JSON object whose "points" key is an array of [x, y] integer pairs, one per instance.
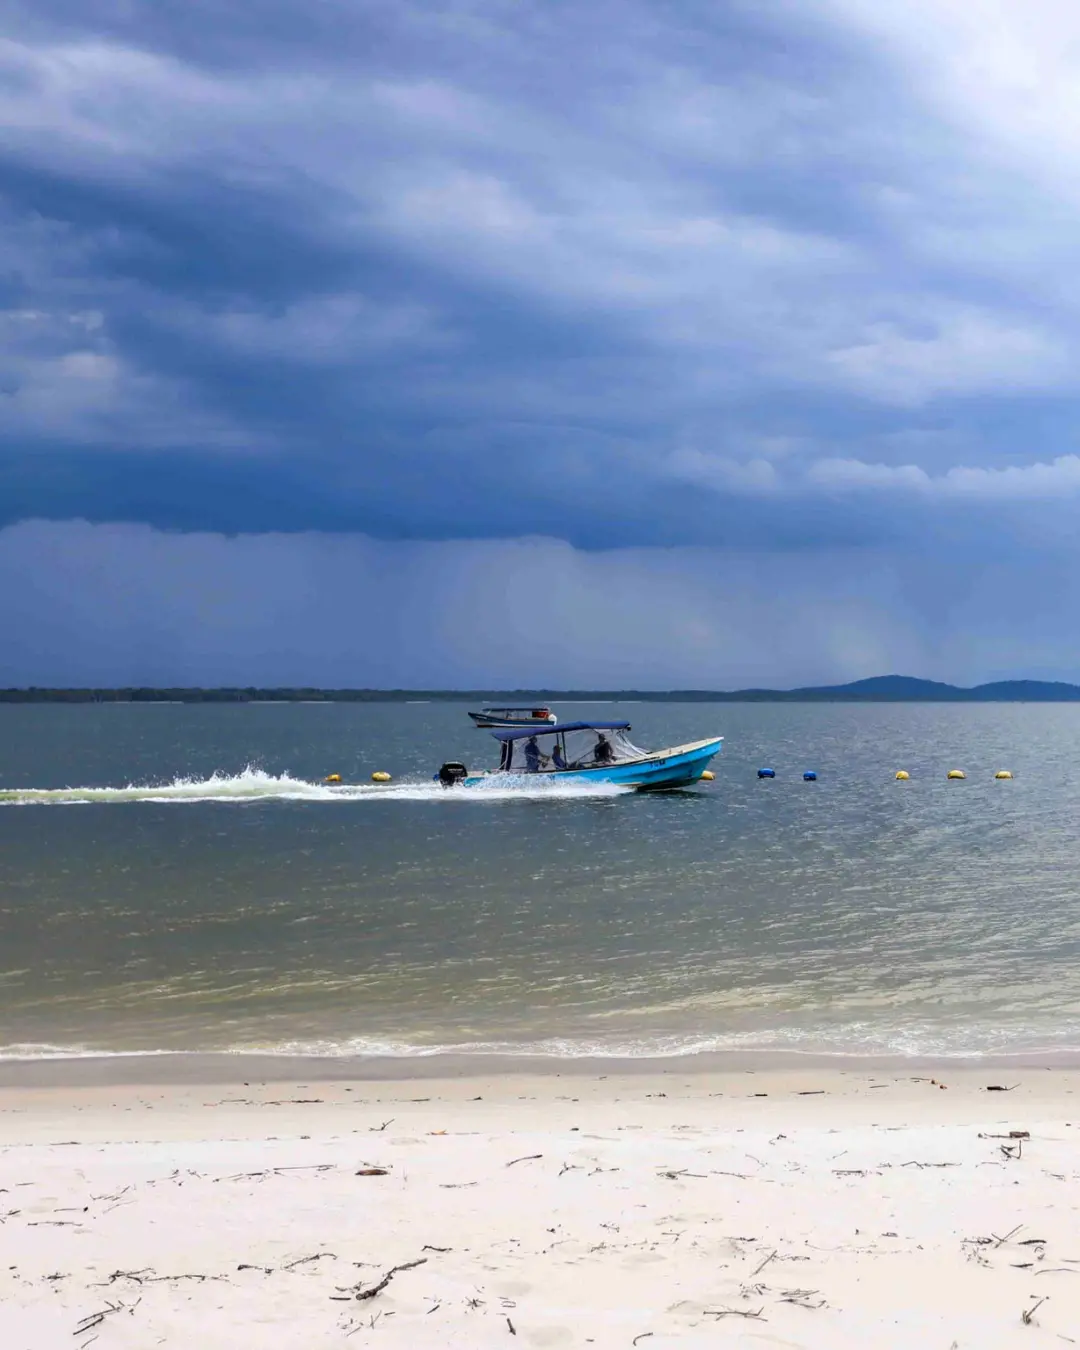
{"points": [[1028, 1315], [803, 1298], [304, 1260], [92, 1320], [375, 1289]]}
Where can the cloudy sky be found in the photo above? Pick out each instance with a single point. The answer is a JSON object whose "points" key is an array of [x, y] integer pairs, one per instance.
{"points": [[484, 342]]}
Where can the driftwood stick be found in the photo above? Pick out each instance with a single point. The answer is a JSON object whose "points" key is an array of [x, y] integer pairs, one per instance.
{"points": [[168, 1279], [137, 1275], [1028, 1314], [529, 1157], [771, 1257], [736, 1312], [303, 1260], [394, 1270], [95, 1319]]}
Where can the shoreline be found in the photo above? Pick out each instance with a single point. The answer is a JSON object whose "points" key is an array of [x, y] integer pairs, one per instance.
{"points": [[179, 1068]]}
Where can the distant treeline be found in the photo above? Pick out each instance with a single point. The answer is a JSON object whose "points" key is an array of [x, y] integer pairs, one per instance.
{"points": [[880, 689], [516, 697]]}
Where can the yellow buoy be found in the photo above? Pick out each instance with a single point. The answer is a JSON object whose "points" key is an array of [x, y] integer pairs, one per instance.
{"points": [[902, 776], [333, 778], [956, 773], [380, 777], [1003, 773], [708, 775]]}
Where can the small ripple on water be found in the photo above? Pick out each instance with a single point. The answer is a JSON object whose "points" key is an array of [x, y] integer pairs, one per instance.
{"points": [[853, 915]]}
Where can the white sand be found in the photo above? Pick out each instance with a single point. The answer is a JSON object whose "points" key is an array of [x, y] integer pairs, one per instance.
{"points": [[878, 1214]]}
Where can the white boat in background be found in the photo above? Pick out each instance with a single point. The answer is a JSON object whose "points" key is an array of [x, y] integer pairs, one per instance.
{"points": [[538, 717]]}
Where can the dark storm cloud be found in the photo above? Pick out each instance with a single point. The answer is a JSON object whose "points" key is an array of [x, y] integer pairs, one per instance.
{"points": [[622, 274], [755, 326]]}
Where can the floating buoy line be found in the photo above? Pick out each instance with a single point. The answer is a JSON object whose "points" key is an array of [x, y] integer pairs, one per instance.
{"points": [[809, 776], [901, 775]]}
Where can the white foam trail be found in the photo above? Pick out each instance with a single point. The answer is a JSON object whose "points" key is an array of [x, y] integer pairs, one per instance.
{"points": [[256, 785]]}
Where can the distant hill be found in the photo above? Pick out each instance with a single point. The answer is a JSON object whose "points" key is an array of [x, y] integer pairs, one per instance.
{"points": [[878, 689], [906, 689]]}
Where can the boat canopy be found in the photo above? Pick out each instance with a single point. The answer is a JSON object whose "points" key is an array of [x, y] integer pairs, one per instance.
{"points": [[515, 733], [577, 745]]}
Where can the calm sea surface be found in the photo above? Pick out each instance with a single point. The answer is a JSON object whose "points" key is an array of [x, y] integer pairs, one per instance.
{"points": [[217, 896]]}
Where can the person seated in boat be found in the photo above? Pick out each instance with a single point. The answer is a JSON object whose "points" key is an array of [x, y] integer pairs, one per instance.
{"points": [[604, 753], [533, 757], [558, 760]]}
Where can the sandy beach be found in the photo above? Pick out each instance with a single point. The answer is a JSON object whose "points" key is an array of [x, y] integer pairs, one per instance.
{"points": [[818, 1208]]}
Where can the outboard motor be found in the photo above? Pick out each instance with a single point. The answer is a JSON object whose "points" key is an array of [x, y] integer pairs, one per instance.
{"points": [[452, 775]]}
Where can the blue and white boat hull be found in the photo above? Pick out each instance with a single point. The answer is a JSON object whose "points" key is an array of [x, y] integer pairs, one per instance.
{"points": [[679, 766]]}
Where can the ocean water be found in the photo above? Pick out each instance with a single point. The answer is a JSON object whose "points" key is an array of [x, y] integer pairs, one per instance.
{"points": [[180, 878]]}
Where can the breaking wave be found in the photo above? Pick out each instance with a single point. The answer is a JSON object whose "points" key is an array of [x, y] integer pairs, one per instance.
{"points": [[855, 1042]]}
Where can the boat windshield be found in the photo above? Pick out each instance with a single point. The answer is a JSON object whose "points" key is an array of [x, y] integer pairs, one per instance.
{"points": [[585, 748]]}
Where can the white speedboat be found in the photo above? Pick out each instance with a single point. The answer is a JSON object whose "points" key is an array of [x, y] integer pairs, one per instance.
{"points": [[514, 717]]}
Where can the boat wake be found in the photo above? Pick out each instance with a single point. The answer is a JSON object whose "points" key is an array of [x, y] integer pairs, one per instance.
{"points": [[255, 785]]}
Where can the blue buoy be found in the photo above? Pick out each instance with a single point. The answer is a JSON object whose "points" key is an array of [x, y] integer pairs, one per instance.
{"points": [[766, 773], [809, 776]]}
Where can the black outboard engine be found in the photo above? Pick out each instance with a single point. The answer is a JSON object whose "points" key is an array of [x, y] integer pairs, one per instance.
{"points": [[452, 775]]}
